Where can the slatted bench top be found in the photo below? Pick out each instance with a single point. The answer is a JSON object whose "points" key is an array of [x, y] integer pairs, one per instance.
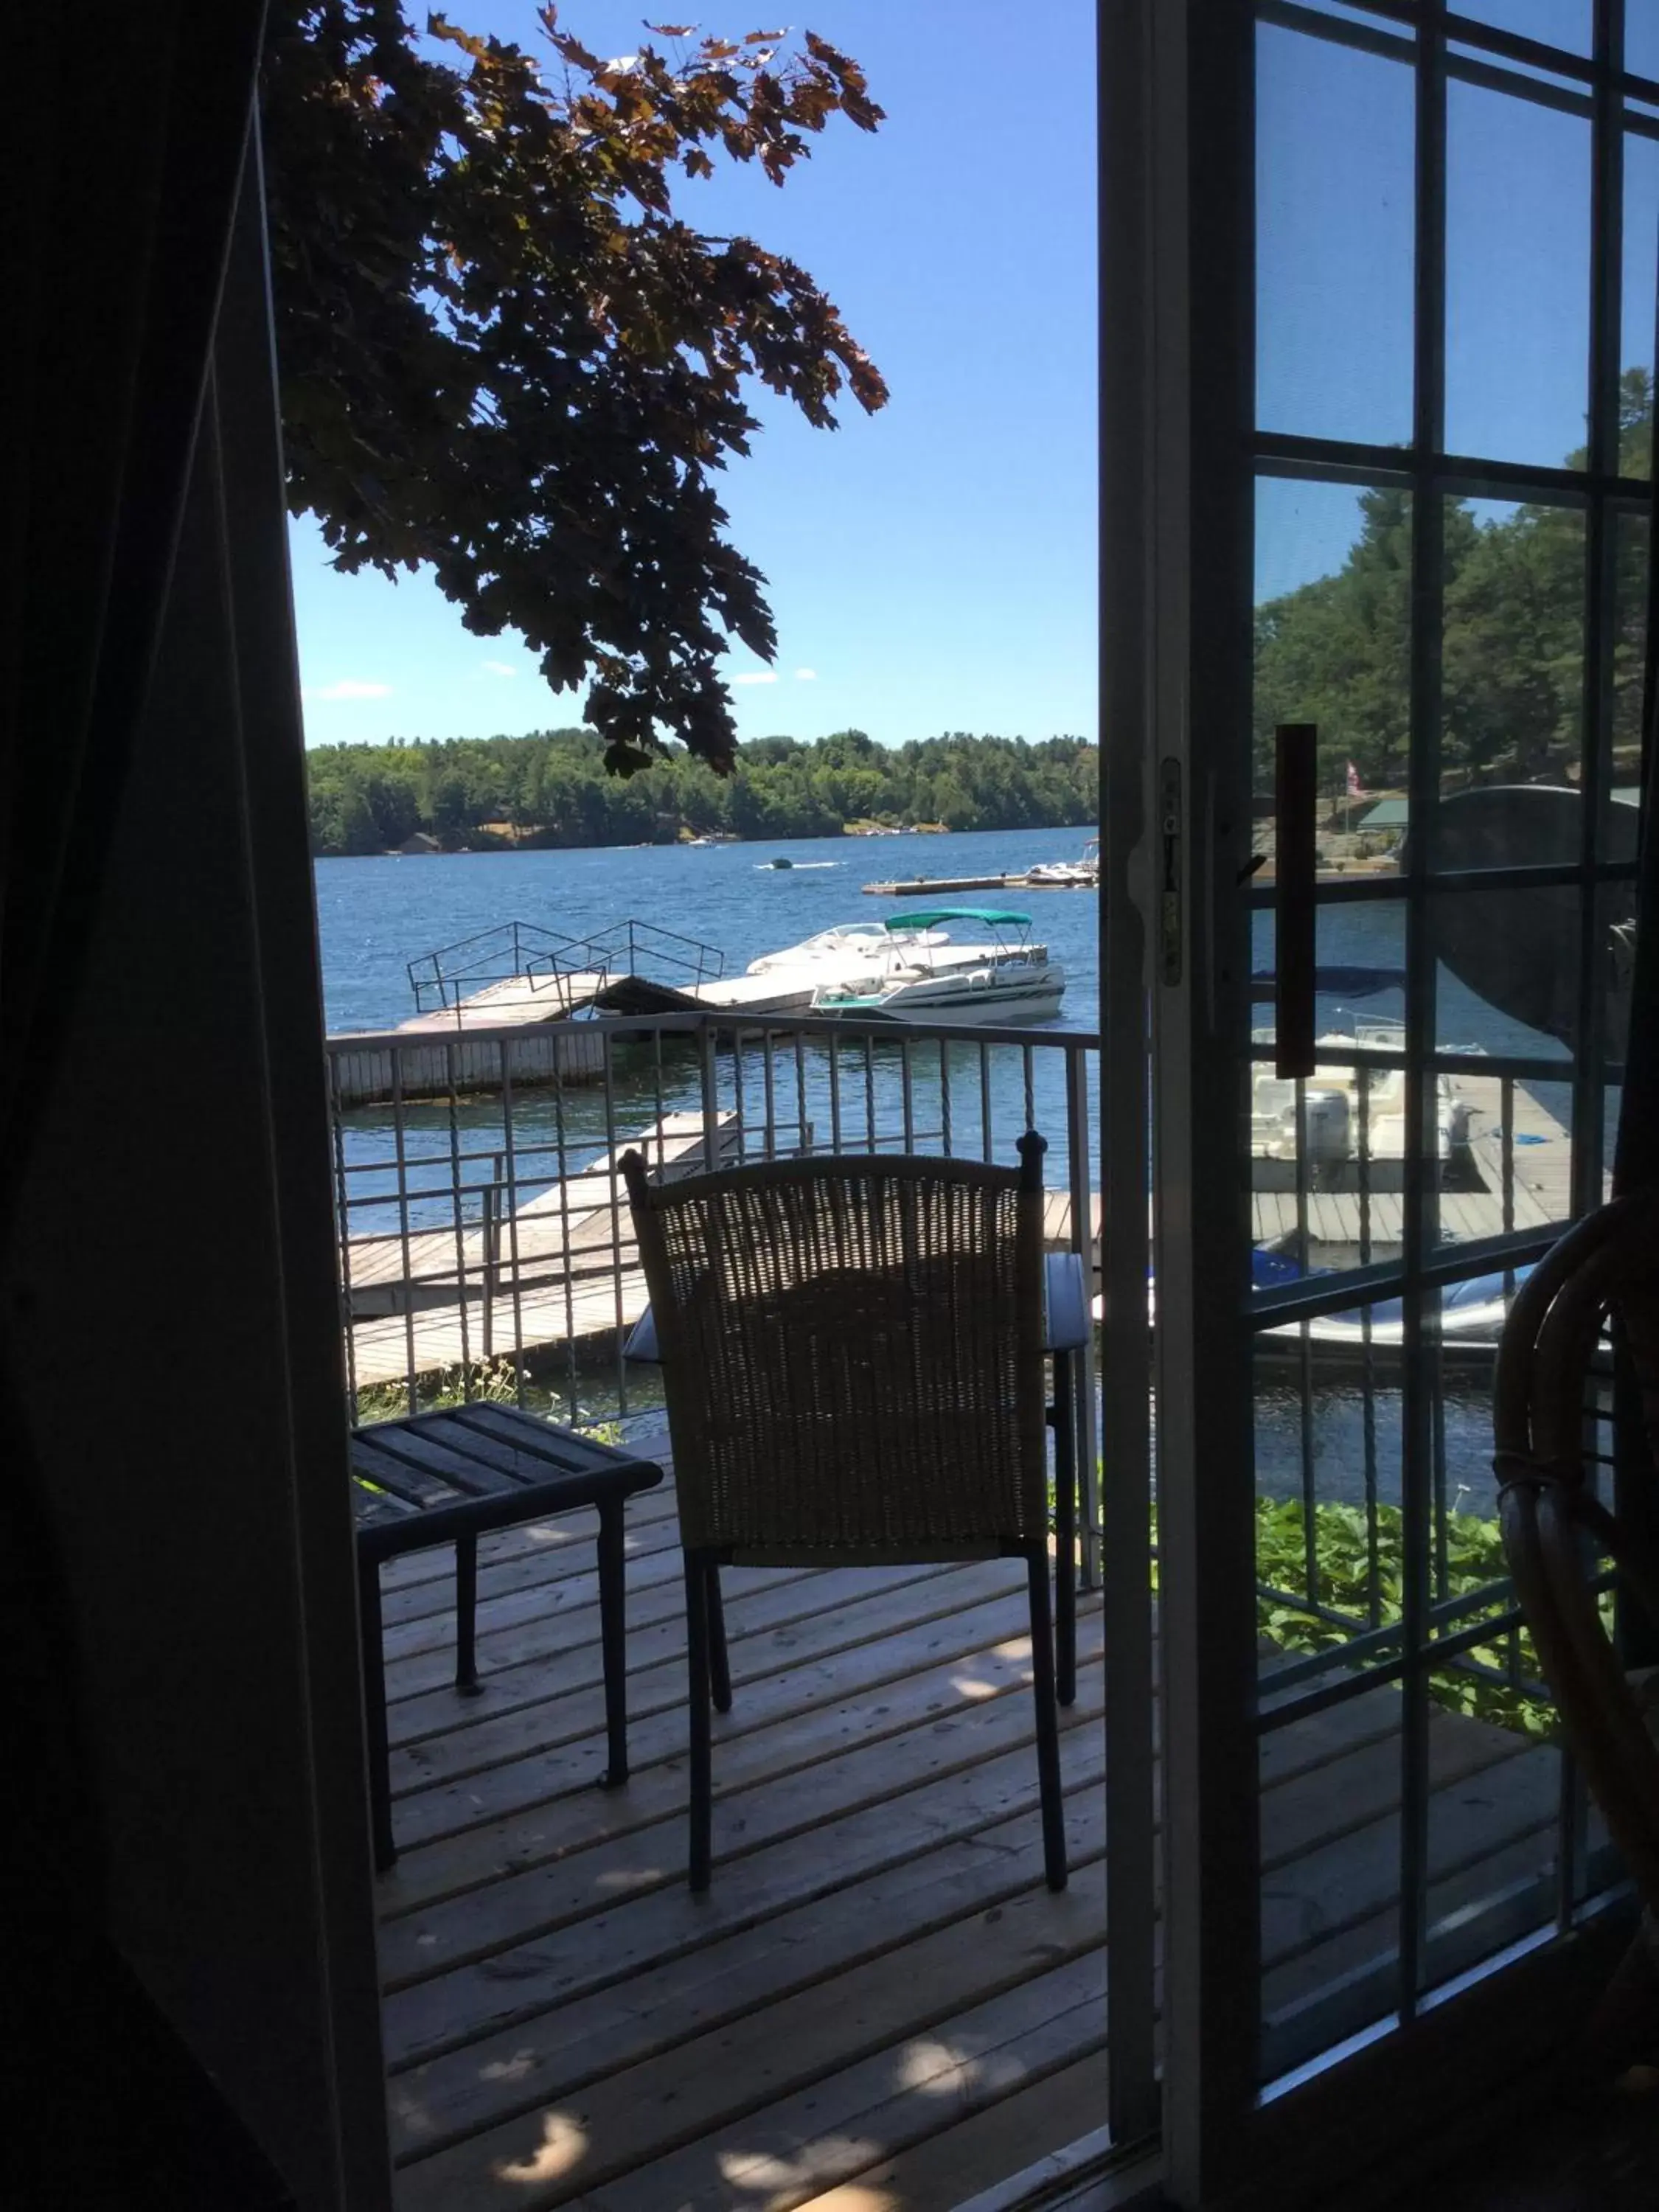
{"points": [[433, 1476]]}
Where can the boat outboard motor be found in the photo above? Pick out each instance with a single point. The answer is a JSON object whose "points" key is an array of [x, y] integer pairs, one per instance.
{"points": [[1325, 1136], [1518, 949]]}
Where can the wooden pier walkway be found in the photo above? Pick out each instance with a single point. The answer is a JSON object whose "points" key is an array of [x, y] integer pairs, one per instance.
{"points": [[562, 1267]]}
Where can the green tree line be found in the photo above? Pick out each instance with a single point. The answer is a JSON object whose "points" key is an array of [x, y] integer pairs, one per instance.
{"points": [[1336, 651], [552, 789]]}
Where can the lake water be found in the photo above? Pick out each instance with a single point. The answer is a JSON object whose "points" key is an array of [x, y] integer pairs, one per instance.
{"points": [[377, 914]]}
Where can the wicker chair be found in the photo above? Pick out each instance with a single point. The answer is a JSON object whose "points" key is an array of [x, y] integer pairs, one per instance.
{"points": [[852, 1354], [1606, 1269]]}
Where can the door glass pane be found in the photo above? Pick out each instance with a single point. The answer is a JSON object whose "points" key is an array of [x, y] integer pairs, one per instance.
{"points": [[1330, 1841], [1637, 304], [1332, 642], [1494, 1779], [1517, 278], [1565, 23], [1328, 1556], [1512, 686], [1334, 183], [1630, 650], [1328, 1152], [1642, 37], [1507, 975]]}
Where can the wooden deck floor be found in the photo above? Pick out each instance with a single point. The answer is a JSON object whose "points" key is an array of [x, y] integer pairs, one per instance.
{"points": [[878, 2008]]}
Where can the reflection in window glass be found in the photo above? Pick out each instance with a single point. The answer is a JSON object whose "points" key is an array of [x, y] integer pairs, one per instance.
{"points": [[1508, 973], [1513, 660], [1565, 23], [1517, 278], [1638, 307], [1334, 156], [1333, 629], [1630, 645], [1328, 1164]]}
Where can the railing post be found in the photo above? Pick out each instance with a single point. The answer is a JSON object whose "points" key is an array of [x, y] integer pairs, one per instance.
{"points": [[711, 1102], [1079, 1149], [491, 1224]]}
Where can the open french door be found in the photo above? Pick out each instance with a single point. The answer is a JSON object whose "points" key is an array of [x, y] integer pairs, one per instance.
{"points": [[1377, 353]]}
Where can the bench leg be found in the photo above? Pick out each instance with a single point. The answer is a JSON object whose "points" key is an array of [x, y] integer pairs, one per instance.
{"points": [[613, 1641], [466, 1613], [1065, 1421], [1048, 1723], [379, 1778], [719, 1671], [702, 1760]]}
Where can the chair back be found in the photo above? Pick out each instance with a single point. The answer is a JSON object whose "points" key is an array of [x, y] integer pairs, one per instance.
{"points": [[852, 1352], [1552, 1394]]}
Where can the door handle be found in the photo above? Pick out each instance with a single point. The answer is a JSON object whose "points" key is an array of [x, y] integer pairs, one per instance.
{"points": [[1296, 766]]}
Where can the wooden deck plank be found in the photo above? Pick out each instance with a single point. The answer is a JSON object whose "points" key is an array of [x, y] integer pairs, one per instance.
{"points": [[839, 2021], [776, 2051], [562, 1547], [799, 1719], [522, 1908], [500, 2076], [619, 1935], [528, 1541], [922, 1608], [782, 2157], [944, 2171], [835, 1622], [563, 1650]]}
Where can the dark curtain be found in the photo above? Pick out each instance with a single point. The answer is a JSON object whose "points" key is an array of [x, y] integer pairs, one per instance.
{"points": [[126, 131]]}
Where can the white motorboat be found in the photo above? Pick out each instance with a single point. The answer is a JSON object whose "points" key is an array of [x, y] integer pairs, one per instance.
{"points": [[1069, 875], [845, 951], [1348, 1113], [926, 977]]}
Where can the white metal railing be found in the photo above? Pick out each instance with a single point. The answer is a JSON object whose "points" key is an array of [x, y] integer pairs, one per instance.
{"points": [[484, 1241]]}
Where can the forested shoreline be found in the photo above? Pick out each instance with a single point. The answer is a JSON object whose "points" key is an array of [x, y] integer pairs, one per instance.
{"points": [[1336, 651], [551, 789]]}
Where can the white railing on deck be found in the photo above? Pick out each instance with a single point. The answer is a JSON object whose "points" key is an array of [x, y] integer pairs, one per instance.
{"points": [[484, 1239]]}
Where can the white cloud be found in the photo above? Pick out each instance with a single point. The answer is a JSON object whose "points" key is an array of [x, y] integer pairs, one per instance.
{"points": [[349, 687], [806, 676], [758, 676], [500, 667]]}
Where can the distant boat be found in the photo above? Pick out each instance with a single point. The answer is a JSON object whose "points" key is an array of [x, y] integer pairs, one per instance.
{"points": [[1011, 979], [1069, 875]]}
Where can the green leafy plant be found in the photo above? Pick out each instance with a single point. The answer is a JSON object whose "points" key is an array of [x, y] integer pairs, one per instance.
{"points": [[1345, 1583], [487, 1381]]}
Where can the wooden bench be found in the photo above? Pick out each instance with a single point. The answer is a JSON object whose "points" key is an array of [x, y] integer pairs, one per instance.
{"points": [[449, 1478]]}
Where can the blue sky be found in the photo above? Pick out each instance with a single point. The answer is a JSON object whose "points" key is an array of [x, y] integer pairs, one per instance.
{"points": [[933, 566], [1335, 266]]}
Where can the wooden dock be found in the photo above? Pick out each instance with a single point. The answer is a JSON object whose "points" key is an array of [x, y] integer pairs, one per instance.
{"points": [[561, 1268], [878, 2007]]}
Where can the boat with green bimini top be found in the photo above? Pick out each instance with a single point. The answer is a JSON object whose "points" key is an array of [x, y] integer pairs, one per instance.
{"points": [[1011, 980]]}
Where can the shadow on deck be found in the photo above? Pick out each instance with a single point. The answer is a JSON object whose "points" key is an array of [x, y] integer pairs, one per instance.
{"points": [[878, 2005]]}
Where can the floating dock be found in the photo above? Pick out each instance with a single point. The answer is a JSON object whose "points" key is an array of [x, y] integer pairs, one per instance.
{"points": [[953, 886]]}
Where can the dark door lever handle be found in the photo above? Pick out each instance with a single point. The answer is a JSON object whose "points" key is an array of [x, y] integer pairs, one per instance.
{"points": [[1295, 759]]}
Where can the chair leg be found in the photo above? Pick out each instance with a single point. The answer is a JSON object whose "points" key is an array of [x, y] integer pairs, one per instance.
{"points": [[1065, 1421], [466, 1613], [613, 1640], [374, 1730], [697, 1655], [720, 1672], [1047, 1722]]}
